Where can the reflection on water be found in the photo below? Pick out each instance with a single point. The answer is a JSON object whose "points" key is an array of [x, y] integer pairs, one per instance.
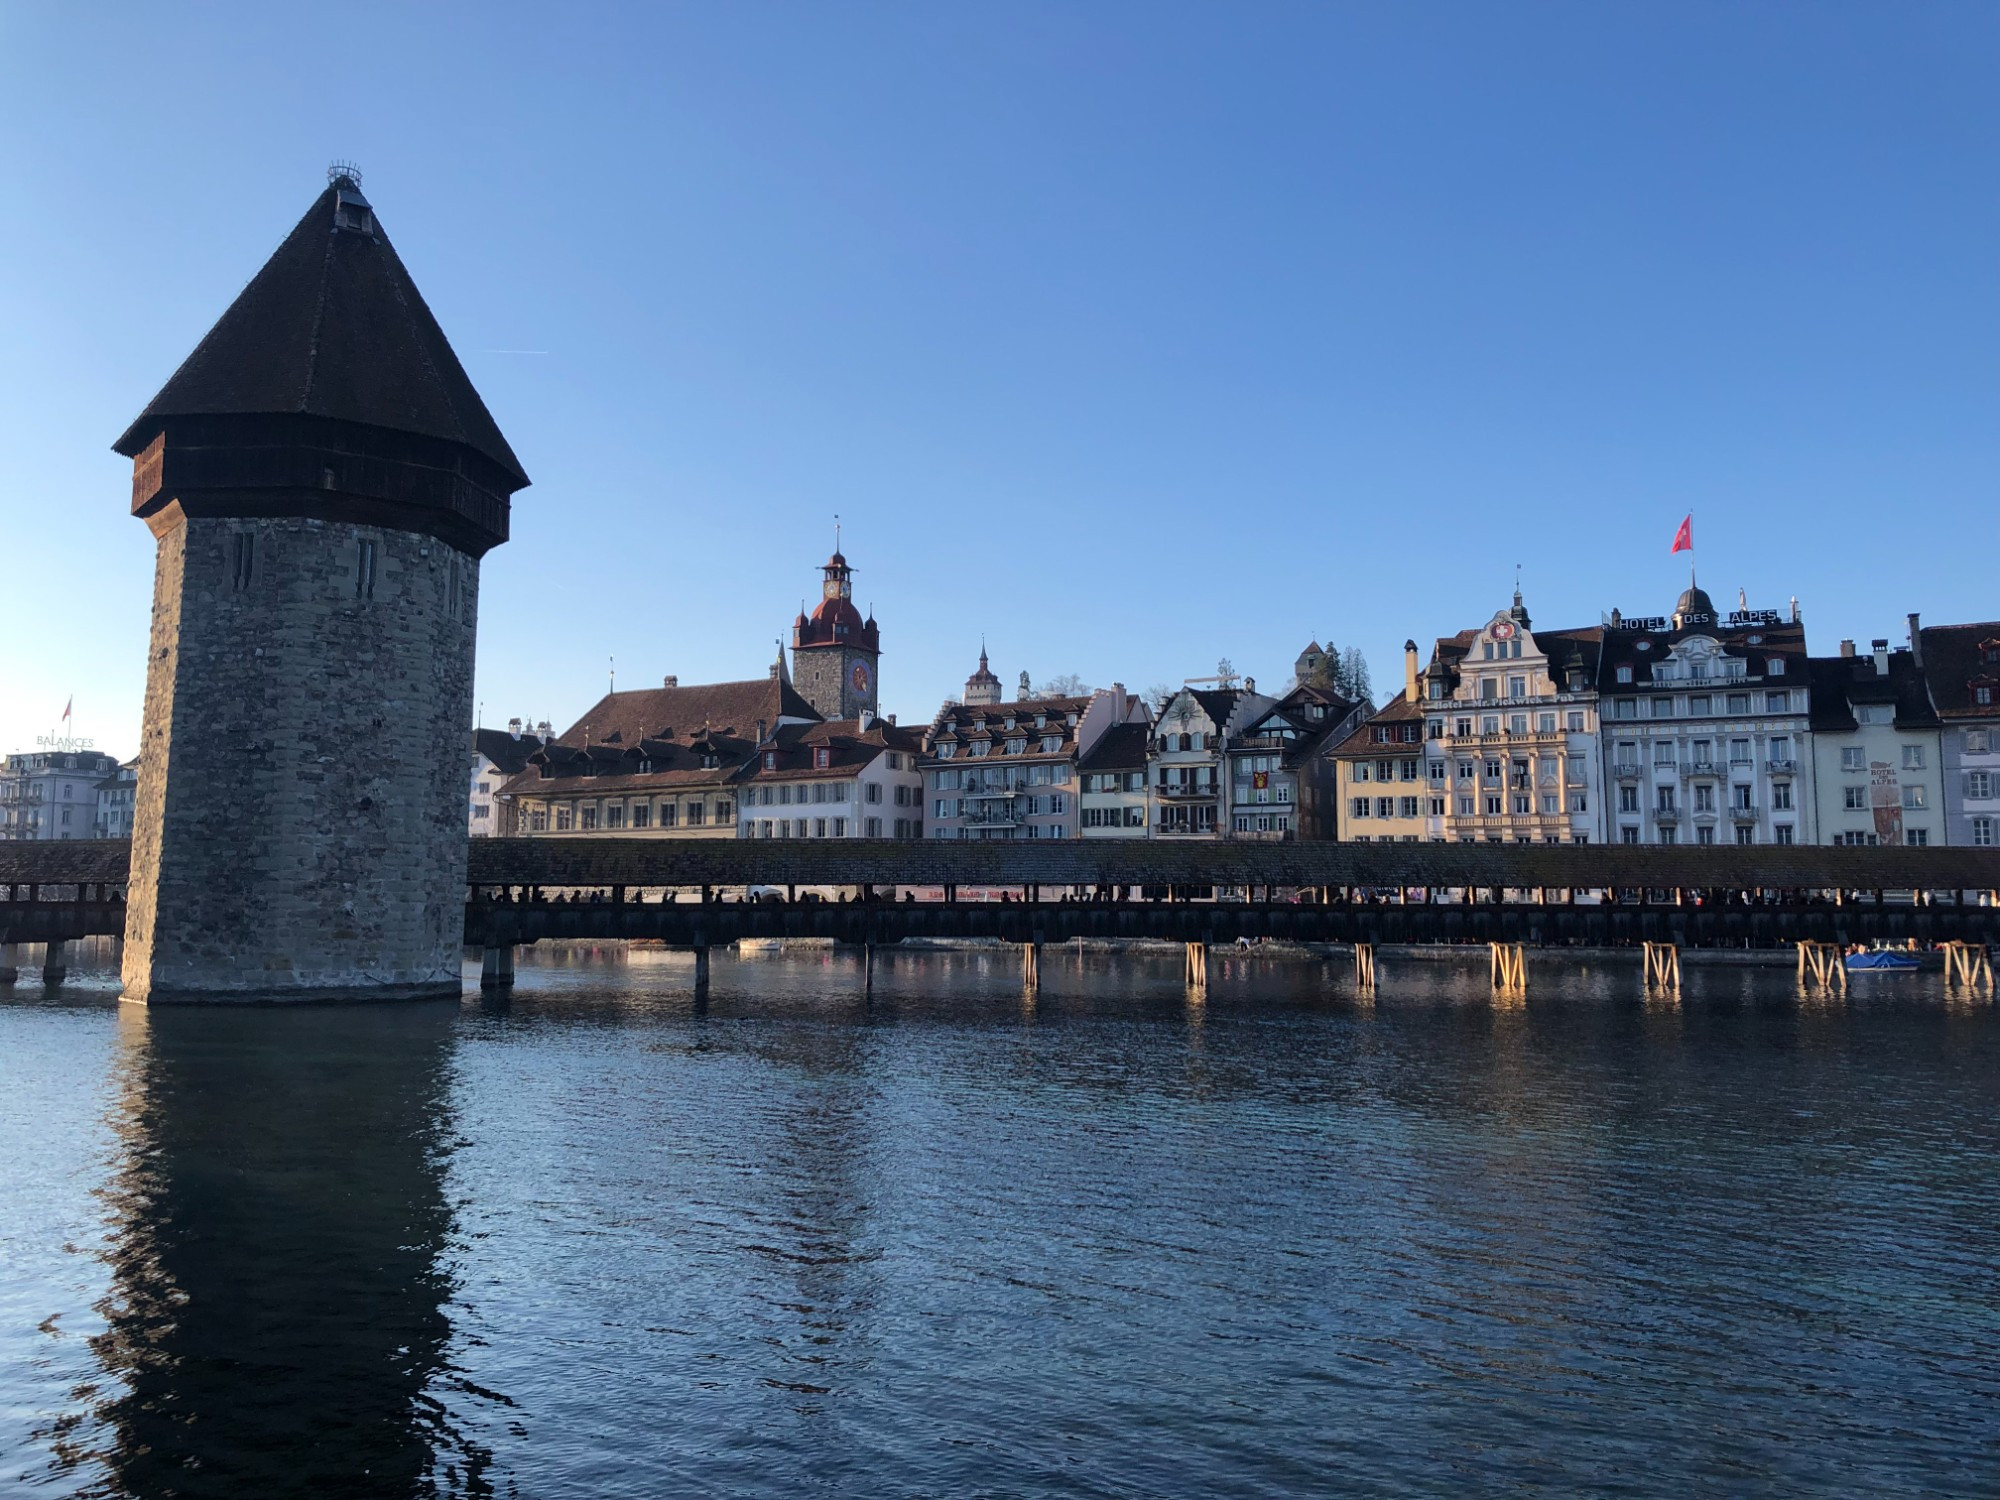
{"points": [[1101, 1240], [275, 1319]]}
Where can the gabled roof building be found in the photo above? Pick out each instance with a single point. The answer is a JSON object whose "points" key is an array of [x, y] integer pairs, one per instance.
{"points": [[1510, 749], [1876, 748], [1961, 664]]}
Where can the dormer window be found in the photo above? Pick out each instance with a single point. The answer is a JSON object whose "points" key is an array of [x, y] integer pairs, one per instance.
{"points": [[822, 757], [770, 760], [1624, 674], [1774, 667], [710, 762]]}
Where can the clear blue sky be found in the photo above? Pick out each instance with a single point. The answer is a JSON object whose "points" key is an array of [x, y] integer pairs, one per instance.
{"points": [[1130, 336]]}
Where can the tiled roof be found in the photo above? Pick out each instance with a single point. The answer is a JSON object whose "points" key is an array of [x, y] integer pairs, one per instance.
{"points": [[967, 723], [681, 713], [851, 749], [1122, 747], [1641, 649], [1362, 740], [1839, 682], [508, 752], [332, 326], [1958, 657]]}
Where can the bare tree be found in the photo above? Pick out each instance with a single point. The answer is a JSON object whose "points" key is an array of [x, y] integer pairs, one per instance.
{"points": [[1160, 694], [1067, 685]]}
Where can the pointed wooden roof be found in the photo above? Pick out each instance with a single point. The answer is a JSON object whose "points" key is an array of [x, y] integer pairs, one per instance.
{"points": [[334, 327]]}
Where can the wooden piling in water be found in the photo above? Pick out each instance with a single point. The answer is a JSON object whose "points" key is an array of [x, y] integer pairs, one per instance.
{"points": [[1364, 966], [1509, 965], [1822, 966], [1969, 964], [1663, 966], [1195, 969], [496, 968]]}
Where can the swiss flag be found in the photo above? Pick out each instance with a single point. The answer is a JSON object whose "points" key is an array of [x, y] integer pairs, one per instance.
{"points": [[1684, 538]]}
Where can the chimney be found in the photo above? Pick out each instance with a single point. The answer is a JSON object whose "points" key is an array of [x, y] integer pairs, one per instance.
{"points": [[544, 731], [1616, 618], [1409, 671], [1881, 650], [670, 681], [1916, 642], [1249, 684], [1795, 609], [761, 736], [514, 728], [892, 721], [867, 720], [1847, 649]]}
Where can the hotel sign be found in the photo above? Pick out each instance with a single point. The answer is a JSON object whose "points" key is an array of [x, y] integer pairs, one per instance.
{"points": [[63, 743]]}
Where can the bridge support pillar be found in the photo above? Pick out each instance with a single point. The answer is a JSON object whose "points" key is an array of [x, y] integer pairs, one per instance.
{"points": [[1509, 963], [55, 963], [1197, 968], [1663, 966], [496, 968], [1031, 967], [868, 968], [701, 970], [10, 962], [1364, 966]]}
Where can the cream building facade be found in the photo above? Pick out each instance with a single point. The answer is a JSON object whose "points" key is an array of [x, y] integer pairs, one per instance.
{"points": [[1511, 749]]}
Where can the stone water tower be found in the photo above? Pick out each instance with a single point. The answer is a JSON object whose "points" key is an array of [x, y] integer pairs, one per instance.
{"points": [[322, 480]]}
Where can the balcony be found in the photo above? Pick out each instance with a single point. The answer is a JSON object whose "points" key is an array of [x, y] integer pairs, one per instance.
{"points": [[1701, 768], [1784, 766], [984, 793], [1188, 792], [1742, 814], [1626, 770], [1517, 737], [1667, 814]]}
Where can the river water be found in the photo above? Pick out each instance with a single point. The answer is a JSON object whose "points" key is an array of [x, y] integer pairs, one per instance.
{"points": [[601, 1240]]}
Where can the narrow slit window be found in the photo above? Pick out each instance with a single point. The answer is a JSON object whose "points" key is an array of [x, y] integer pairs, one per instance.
{"points": [[246, 546], [364, 572]]}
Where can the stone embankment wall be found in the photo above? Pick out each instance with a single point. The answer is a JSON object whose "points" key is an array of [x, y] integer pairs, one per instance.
{"points": [[300, 822]]}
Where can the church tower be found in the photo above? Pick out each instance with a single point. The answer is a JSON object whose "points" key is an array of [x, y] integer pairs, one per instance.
{"points": [[835, 651], [321, 480]]}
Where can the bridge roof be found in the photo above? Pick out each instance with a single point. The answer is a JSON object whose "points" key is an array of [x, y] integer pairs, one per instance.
{"points": [[599, 860], [64, 861], [594, 860]]}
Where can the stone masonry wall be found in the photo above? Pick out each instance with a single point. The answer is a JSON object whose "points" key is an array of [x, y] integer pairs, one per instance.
{"points": [[300, 825]]}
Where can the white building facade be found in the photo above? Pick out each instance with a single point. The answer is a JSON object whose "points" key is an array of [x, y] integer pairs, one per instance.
{"points": [[1877, 750], [53, 795], [1961, 663], [1706, 722]]}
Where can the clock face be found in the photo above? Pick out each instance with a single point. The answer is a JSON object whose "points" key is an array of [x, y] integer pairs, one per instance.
{"points": [[858, 676]]}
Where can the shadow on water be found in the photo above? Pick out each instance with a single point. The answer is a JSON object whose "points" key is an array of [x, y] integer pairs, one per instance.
{"points": [[277, 1323]]}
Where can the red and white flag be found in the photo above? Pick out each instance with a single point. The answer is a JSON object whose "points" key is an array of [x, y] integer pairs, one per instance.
{"points": [[68, 706], [1684, 538]]}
